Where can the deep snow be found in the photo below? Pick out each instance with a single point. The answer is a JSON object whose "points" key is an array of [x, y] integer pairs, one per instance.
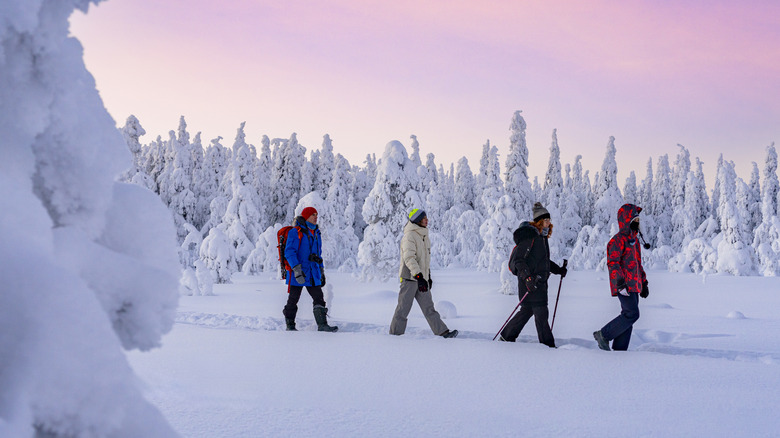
{"points": [[703, 362]]}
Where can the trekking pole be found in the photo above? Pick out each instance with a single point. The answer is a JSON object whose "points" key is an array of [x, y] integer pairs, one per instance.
{"points": [[565, 262], [510, 316]]}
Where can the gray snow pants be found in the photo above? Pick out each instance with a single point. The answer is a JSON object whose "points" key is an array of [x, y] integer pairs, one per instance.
{"points": [[406, 297]]}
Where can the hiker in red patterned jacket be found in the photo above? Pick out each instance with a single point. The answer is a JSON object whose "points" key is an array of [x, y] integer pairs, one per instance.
{"points": [[627, 279]]}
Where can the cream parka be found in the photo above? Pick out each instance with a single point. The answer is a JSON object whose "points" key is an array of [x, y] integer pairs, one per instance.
{"points": [[415, 252]]}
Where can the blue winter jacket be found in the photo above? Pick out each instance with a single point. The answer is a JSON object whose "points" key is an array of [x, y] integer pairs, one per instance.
{"points": [[298, 250]]}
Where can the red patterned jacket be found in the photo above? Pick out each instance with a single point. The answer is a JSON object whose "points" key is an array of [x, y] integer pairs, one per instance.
{"points": [[624, 254]]}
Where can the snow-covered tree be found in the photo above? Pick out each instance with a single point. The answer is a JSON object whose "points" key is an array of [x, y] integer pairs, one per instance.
{"points": [[630, 192], [429, 174], [415, 157], [581, 188], [131, 132], [682, 168], [552, 193], [215, 166], [465, 188], [262, 183], [588, 251], [444, 244], [467, 238], [89, 264], [702, 200], [265, 257], [496, 233], [662, 209], [734, 255], [770, 191], [286, 179], [341, 202], [518, 187], [716, 191], [646, 190], [439, 199], [751, 202], [219, 254], [492, 187], [189, 249], [385, 211], [606, 190], [325, 167], [766, 240], [553, 180]]}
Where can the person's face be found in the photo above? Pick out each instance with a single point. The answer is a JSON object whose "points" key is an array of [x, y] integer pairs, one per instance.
{"points": [[546, 223], [424, 222], [312, 219]]}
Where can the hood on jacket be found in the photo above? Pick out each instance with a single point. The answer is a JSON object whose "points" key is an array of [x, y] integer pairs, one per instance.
{"points": [[625, 215], [411, 226], [301, 222], [525, 231]]}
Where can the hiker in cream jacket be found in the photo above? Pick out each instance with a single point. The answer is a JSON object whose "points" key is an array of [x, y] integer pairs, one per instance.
{"points": [[415, 274]]}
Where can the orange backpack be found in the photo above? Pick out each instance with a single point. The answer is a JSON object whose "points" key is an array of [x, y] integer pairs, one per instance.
{"points": [[281, 238]]}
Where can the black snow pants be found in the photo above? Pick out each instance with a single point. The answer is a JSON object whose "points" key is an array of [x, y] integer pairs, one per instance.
{"points": [[516, 324], [291, 309]]}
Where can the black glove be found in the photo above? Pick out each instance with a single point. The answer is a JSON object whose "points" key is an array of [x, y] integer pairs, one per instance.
{"points": [[564, 271], [530, 283], [422, 284], [645, 291], [298, 272], [323, 279], [430, 283]]}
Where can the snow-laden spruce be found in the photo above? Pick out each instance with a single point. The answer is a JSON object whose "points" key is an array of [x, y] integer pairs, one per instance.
{"points": [[385, 211]]}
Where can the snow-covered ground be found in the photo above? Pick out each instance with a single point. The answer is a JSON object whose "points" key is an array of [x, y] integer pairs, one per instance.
{"points": [[704, 361]]}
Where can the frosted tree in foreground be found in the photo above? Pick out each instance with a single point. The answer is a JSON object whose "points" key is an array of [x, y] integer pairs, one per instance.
{"points": [[89, 264]]}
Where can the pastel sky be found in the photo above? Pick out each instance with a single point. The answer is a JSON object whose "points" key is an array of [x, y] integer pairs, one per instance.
{"points": [[705, 74]]}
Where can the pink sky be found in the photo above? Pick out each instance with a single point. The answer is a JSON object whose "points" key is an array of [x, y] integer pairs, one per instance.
{"points": [[705, 74]]}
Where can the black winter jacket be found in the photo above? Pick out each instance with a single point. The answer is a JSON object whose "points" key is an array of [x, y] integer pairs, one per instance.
{"points": [[531, 258]]}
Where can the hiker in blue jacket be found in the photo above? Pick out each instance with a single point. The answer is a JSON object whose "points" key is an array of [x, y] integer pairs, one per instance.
{"points": [[303, 252]]}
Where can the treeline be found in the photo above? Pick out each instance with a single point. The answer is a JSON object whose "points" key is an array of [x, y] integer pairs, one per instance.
{"points": [[228, 203]]}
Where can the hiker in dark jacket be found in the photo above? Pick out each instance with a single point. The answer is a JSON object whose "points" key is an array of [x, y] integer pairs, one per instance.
{"points": [[303, 252], [627, 279], [530, 261]]}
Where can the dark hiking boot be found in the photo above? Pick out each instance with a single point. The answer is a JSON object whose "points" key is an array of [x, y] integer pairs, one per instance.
{"points": [[290, 325], [321, 316], [449, 334], [603, 344]]}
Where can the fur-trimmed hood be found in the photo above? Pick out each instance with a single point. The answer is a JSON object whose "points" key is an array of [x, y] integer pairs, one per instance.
{"points": [[525, 231]]}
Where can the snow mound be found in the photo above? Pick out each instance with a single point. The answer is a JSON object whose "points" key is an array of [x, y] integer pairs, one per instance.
{"points": [[447, 310], [734, 314]]}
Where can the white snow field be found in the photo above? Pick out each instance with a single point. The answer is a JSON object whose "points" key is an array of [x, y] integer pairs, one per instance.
{"points": [[704, 361]]}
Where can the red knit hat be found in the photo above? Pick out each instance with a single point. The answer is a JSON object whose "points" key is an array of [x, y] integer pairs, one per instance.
{"points": [[308, 211]]}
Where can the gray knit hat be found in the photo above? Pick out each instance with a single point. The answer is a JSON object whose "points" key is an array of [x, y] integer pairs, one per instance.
{"points": [[416, 215], [540, 212]]}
